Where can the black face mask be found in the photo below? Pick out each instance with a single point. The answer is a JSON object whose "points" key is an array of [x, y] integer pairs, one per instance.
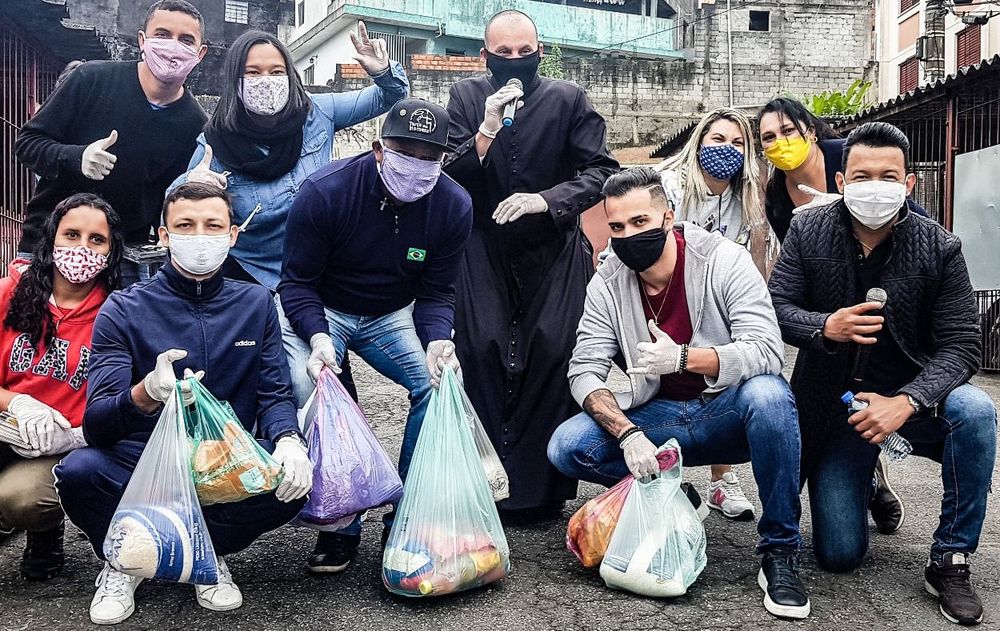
{"points": [[522, 68], [640, 251]]}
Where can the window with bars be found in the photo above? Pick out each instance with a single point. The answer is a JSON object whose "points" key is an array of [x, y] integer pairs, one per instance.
{"points": [[394, 42], [309, 75], [905, 5], [909, 75], [968, 49], [237, 12]]}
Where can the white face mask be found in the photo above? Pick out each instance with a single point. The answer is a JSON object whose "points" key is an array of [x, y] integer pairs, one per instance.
{"points": [[874, 203], [199, 254], [264, 95]]}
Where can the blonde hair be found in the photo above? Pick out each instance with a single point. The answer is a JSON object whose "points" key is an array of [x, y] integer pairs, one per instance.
{"points": [[691, 177]]}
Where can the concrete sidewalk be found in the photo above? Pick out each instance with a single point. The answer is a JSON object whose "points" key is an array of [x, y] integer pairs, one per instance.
{"points": [[547, 589]]}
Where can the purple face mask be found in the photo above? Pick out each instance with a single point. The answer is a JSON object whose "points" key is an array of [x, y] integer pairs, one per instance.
{"points": [[408, 179], [169, 60]]}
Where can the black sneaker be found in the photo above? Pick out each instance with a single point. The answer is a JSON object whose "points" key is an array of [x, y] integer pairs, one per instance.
{"points": [[784, 594], [43, 555], [333, 553], [951, 582], [700, 507], [886, 507]]}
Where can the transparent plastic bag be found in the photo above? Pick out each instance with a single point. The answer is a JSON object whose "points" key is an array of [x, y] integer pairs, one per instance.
{"points": [[159, 530], [590, 528], [227, 463], [351, 470], [496, 476], [447, 535], [658, 546]]}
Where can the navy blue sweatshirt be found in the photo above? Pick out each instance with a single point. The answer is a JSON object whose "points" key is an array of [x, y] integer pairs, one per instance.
{"points": [[349, 249], [228, 328]]}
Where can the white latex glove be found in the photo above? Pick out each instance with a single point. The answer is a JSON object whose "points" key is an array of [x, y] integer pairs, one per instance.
{"points": [[372, 54], [518, 205], [160, 383], [291, 454], [819, 198], [640, 456], [494, 107], [187, 395], [63, 441], [660, 357], [323, 354], [97, 161], [441, 353], [36, 421], [204, 174]]}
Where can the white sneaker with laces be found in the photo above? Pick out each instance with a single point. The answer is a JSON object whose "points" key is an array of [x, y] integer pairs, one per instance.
{"points": [[726, 496], [114, 600], [223, 596]]}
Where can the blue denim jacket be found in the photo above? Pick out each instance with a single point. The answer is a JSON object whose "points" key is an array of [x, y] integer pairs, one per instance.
{"points": [[259, 247]]}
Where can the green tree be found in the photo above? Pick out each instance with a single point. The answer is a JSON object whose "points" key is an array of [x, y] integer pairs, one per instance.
{"points": [[837, 103], [551, 65]]}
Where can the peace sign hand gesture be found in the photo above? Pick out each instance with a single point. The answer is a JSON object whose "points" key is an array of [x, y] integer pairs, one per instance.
{"points": [[372, 54]]}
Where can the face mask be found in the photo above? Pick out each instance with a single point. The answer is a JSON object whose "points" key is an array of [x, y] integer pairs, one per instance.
{"points": [[720, 161], [79, 264], [408, 179], [640, 251], [874, 203], [169, 60], [788, 154], [264, 95], [199, 254], [523, 68]]}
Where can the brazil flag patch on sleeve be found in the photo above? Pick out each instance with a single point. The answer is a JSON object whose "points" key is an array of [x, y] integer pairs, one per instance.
{"points": [[416, 254]]}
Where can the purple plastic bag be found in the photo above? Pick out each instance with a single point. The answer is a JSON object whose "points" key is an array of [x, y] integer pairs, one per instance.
{"points": [[351, 471]]}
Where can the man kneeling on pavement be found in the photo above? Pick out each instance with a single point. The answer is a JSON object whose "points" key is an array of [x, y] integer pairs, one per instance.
{"points": [[694, 321], [186, 317], [920, 353]]}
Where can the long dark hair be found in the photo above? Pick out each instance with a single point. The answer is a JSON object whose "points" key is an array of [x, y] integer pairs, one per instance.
{"points": [[801, 117], [28, 311], [225, 116]]}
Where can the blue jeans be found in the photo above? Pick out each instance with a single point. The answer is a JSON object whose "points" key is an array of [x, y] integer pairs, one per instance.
{"points": [[962, 437], [755, 421], [390, 345]]}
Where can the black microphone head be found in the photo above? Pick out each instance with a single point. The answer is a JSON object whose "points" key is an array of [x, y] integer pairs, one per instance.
{"points": [[516, 83], [877, 294]]}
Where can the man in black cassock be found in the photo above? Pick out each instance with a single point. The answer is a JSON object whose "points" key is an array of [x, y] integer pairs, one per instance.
{"points": [[522, 282]]}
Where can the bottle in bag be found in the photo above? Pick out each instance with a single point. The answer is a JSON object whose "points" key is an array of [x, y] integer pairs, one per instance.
{"points": [[895, 447], [461, 571]]}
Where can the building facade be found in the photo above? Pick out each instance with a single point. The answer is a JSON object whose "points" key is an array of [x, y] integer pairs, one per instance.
{"points": [[904, 41]]}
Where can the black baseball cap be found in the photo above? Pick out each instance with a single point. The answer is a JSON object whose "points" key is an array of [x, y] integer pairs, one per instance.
{"points": [[417, 119]]}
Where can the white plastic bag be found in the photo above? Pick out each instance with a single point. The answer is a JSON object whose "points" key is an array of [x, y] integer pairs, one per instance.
{"points": [[658, 546]]}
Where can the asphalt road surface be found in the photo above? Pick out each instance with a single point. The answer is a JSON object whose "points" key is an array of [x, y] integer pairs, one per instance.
{"points": [[547, 588]]}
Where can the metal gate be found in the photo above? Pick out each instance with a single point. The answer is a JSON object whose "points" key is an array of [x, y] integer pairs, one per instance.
{"points": [[26, 77], [989, 316]]}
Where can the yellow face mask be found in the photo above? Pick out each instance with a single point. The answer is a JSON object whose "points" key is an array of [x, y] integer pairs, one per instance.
{"points": [[788, 154]]}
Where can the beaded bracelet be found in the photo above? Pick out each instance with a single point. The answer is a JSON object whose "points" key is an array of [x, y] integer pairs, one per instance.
{"points": [[627, 433]]}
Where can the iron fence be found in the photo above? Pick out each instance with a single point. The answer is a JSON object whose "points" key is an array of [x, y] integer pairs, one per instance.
{"points": [[989, 314], [26, 78]]}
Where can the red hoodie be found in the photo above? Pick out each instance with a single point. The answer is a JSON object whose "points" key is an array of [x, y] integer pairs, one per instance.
{"points": [[55, 376]]}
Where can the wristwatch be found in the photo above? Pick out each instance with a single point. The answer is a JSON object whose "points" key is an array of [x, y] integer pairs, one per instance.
{"points": [[914, 404], [291, 434]]}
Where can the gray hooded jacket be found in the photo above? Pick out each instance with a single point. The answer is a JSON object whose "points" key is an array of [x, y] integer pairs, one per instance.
{"points": [[728, 303]]}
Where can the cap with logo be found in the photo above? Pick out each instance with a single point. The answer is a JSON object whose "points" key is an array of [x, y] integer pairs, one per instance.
{"points": [[417, 119]]}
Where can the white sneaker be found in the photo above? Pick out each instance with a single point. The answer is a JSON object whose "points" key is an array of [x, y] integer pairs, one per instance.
{"points": [[223, 596], [726, 496], [114, 600]]}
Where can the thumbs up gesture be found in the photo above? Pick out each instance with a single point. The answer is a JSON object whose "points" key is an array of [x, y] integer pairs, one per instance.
{"points": [[662, 356], [97, 161], [204, 174]]}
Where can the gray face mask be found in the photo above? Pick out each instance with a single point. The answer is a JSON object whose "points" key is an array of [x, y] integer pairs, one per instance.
{"points": [[265, 95], [408, 179], [874, 203]]}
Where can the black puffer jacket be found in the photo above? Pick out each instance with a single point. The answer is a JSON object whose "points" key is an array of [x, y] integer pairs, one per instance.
{"points": [[931, 311]]}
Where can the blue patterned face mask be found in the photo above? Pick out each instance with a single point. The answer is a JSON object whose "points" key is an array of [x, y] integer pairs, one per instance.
{"points": [[720, 161]]}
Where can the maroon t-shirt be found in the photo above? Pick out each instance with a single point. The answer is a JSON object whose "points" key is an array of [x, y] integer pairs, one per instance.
{"points": [[674, 320]]}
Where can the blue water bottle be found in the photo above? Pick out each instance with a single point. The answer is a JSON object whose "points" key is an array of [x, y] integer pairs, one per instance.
{"points": [[895, 447]]}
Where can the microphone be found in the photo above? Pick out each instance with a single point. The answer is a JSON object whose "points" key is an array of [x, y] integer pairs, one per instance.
{"points": [[511, 107], [875, 294]]}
